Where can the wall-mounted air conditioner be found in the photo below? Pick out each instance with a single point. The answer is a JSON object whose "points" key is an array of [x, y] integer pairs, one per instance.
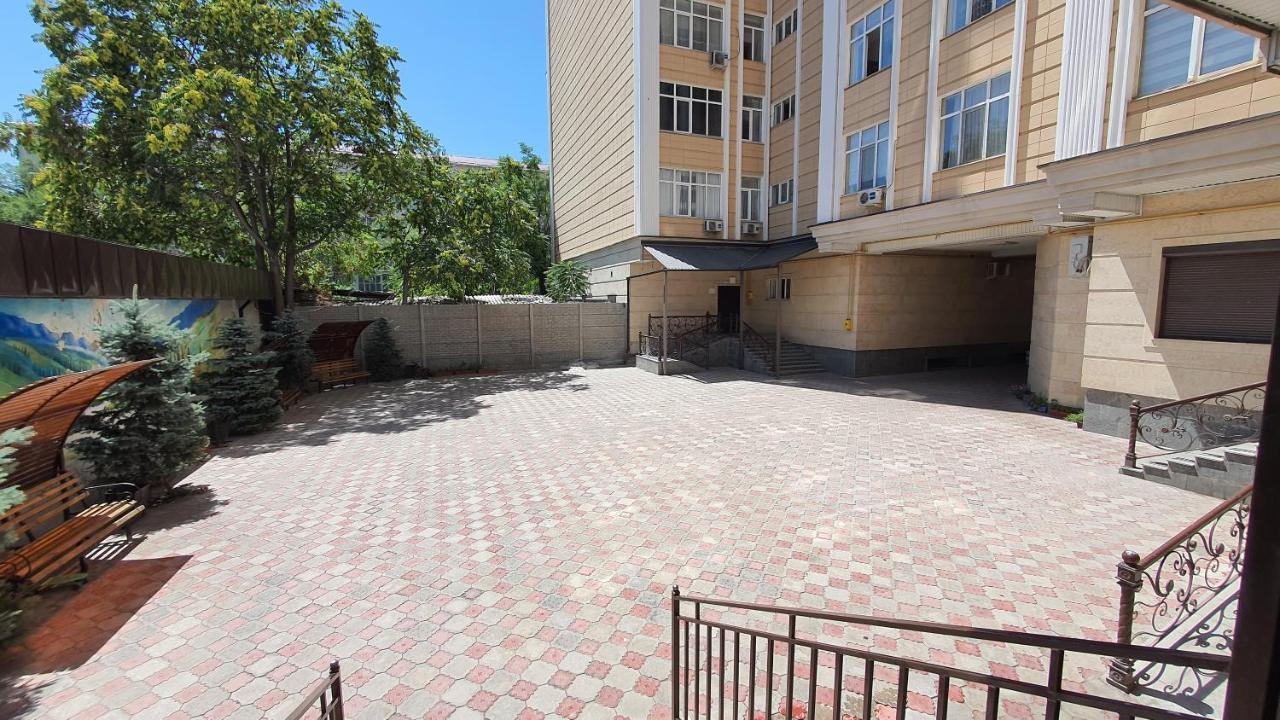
{"points": [[751, 228], [712, 226], [718, 59], [873, 198], [998, 268]]}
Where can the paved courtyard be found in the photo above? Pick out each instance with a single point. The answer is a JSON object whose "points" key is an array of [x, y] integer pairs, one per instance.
{"points": [[504, 546]]}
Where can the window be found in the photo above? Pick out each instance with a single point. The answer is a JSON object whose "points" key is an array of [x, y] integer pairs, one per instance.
{"points": [[1225, 292], [693, 25], [783, 110], [753, 38], [1178, 47], [871, 43], [377, 282], [689, 109], [975, 122], [689, 193], [752, 118], [779, 288], [785, 27], [866, 159], [781, 193], [749, 205], [963, 12]]}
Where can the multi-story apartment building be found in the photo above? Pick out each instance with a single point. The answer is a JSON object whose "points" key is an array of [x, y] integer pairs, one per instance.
{"points": [[895, 185]]}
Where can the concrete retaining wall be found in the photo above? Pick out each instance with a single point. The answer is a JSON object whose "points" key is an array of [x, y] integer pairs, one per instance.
{"points": [[458, 337]]}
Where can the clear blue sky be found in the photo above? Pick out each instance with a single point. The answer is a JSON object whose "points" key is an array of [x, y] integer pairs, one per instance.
{"points": [[474, 73]]}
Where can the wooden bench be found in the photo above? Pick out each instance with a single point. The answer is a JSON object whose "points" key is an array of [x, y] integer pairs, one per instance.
{"points": [[331, 373], [60, 522]]}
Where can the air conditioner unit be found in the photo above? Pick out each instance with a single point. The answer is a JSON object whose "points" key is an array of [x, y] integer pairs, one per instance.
{"points": [[998, 268], [872, 198], [751, 228], [713, 226], [718, 59]]}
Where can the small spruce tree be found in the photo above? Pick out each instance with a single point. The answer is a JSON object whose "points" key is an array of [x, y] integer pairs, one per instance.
{"points": [[293, 355], [148, 426], [238, 383], [10, 593], [567, 280], [381, 354]]}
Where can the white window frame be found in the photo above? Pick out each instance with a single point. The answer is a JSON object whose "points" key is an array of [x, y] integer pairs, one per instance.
{"points": [[860, 29], [687, 105], [757, 35], [376, 282], [855, 146], [1195, 58], [786, 27], [752, 118], [689, 193], [772, 291], [782, 111], [751, 198], [692, 11], [782, 193], [968, 17], [959, 113]]}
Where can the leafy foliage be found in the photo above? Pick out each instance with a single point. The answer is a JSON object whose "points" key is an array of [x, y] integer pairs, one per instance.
{"points": [[567, 280], [292, 355], [244, 131], [10, 595], [239, 383], [22, 198], [382, 359], [148, 426]]}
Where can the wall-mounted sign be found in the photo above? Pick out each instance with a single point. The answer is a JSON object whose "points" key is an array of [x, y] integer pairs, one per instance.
{"points": [[1079, 256]]}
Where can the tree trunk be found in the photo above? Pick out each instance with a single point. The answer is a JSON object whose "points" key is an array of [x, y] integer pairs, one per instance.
{"points": [[290, 276], [273, 259]]}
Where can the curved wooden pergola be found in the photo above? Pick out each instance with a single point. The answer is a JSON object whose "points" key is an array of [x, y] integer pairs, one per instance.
{"points": [[337, 340], [52, 406]]}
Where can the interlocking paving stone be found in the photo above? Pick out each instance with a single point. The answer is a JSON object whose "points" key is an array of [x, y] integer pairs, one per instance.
{"points": [[504, 546]]}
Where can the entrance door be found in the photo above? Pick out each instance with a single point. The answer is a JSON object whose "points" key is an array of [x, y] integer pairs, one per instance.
{"points": [[728, 307]]}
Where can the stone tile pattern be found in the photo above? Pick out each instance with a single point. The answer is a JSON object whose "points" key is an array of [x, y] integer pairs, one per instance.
{"points": [[504, 546]]}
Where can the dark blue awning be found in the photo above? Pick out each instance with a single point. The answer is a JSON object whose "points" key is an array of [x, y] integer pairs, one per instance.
{"points": [[727, 256]]}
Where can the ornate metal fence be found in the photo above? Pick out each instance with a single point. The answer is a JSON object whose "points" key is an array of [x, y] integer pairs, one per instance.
{"points": [[1201, 422], [324, 700], [1168, 596], [716, 667]]}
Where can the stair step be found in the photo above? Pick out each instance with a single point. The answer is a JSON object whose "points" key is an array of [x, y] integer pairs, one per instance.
{"points": [[1217, 472]]}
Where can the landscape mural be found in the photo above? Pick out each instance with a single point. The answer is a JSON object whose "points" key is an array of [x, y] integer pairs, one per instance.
{"points": [[44, 337]]}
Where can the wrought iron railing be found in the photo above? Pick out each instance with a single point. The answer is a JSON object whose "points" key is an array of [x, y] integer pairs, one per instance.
{"points": [[764, 347], [1205, 421], [324, 700], [688, 337], [715, 666], [681, 324], [651, 345], [1164, 595]]}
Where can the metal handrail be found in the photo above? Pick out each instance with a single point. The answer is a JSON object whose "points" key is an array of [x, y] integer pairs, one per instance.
{"points": [[759, 341], [326, 694], [1209, 430]]}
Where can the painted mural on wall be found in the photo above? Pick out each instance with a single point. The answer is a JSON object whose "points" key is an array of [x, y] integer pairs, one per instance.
{"points": [[44, 337]]}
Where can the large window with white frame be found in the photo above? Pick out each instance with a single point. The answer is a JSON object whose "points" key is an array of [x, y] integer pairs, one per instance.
{"points": [[786, 27], [751, 199], [1178, 48], [753, 46], [871, 43], [975, 122], [752, 118], [962, 12], [689, 193], [783, 110], [782, 193], [866, 159], [690, 109], [693, 25]]}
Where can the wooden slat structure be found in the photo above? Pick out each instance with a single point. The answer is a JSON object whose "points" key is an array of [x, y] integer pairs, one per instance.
{"points": [[52, 406], [337, 340]]}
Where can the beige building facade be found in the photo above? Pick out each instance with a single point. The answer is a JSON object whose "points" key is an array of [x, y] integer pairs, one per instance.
{"points": [[1089, 187]]}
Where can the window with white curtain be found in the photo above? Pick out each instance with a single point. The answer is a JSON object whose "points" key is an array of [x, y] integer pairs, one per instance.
{"points": [[689, 193], [962, 12], [750, 205], [752, 118], [753, 38], [693, 25], [975, 122], [871, 43], [866, 159], [1178, 47]]}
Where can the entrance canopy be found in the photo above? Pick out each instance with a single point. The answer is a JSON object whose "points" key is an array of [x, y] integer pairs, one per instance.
{"points": [[727, 256], [337, 340], [52, 406]]}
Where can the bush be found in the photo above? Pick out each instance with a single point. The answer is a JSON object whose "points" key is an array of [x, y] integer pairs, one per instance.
{"points": [[382, 358], [239, 384], [567, 280], [148, 426], [10, 594], [293, 355]]}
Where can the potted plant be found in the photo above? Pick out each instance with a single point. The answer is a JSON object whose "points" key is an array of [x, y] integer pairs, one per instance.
{"points": [[1077, 418]]}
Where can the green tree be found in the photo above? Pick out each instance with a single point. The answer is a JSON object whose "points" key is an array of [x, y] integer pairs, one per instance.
{"points": [[528, 183], [291, 353], [239, 383], [279, 119], [567, 280], [382, 357], [148, 426], [10, 594], [22, 198]]}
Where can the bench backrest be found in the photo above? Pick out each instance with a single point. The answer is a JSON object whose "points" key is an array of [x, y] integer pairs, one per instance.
{"points": [[49, 500], [331, 367]]}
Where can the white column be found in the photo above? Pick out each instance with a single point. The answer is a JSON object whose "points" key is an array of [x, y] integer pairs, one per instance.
{"points": [[795, 122], [828, 117], [1016, 71], [1082, 96], [1122, 73], [645, 98], [931, 102]]}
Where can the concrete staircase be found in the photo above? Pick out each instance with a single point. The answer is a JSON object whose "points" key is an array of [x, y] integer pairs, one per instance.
{"points": [[1219, 472], [795, 359]]}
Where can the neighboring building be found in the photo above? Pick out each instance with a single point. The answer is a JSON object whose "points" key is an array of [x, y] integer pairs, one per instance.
{"points": [[1091, 184]]}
